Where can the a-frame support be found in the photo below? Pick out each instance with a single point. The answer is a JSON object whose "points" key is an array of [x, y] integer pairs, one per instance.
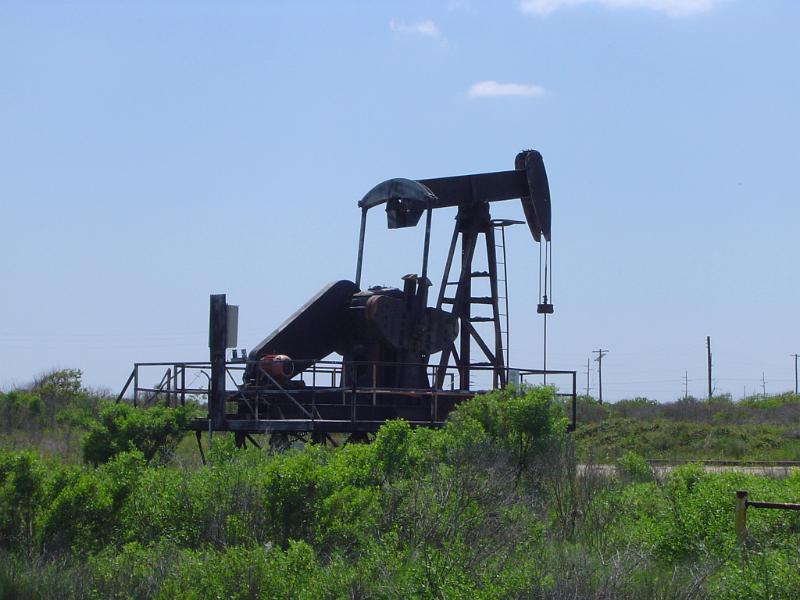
{"points": [[472, 221]]}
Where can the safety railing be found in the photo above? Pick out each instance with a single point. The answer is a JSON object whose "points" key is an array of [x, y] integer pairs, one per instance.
{"points": [[328, 383]]}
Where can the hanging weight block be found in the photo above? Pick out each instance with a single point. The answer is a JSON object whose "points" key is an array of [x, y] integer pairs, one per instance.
{"points": [[544, 309]]}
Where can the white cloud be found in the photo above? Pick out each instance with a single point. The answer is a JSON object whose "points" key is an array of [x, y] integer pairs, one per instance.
{"points": [[484, 89], [425, 28], [673, 8]]}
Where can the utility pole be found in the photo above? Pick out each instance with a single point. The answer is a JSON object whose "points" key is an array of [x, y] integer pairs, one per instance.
{"points": [[685, 384], [600, 354], [587, 375], [763, 385], [708, 347], [795, 373]]}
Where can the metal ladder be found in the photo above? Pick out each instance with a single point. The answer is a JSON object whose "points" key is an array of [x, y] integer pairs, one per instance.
{"points": [[464, 301], [502, 285]]}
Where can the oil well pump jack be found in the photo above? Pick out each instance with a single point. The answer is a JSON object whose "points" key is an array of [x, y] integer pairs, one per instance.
{"points": [[387, 337]]}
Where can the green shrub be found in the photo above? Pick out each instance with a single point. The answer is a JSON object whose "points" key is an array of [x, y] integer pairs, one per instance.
{"points": [[770, 402], [61, 391], [634, 468], [22, 478], [493, 505], [759, 573], [87, 514], [395, 452], [18, 408], [121, 427], [523, 424]]}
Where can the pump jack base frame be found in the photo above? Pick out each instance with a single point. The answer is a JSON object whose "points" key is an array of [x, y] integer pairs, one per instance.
{"points": [[305, 406]]}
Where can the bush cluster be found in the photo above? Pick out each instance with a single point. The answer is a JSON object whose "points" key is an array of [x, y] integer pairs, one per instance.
{"points": [[493, 505], [121, 428]]}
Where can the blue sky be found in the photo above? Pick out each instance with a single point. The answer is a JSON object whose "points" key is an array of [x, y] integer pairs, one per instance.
{"points": [[152, 153]]}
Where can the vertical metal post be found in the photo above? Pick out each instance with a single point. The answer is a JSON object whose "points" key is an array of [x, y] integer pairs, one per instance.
{"points": [[176, 385], [313, 390], [741, 515], [353, 373], [361, 237], [136, 385], [544, 350], [462, 308], [342, 381], [217, 329], [708, 347], [427, 244], [169, 387], [183, 385]]}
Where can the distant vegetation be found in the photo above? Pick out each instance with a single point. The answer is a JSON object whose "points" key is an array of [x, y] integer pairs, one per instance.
{"points": [[756, 428], [57, 416], [493, 505]]}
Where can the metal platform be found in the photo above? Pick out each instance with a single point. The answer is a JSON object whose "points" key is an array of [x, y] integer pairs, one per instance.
{"points": [[316, 401]]}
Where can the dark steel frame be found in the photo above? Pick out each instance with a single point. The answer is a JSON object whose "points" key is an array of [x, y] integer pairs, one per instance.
{"points": [[471, 195], [331, 407], [295, 407]]}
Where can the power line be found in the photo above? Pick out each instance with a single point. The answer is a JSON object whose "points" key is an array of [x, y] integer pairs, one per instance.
{"points": [[600, 354], [587, 375]]}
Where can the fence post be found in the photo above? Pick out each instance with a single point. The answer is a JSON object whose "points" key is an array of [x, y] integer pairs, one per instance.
{"points": [[741, 515]]}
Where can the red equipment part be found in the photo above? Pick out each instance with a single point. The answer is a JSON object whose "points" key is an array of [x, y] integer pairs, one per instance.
{"points": [[277, 365]]}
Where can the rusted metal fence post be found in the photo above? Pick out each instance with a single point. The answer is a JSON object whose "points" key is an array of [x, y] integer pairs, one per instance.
{"points": [[741, 515]]}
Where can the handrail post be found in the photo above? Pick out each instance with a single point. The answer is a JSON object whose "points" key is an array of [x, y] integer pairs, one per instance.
{"points": [[374, 384], [741, 516], [313, 390], [435, 405], [135, 385], [353, 394], [183, 385], [169, 387], [342, 381]]}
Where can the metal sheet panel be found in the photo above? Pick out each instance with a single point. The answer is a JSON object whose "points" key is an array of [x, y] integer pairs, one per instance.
{"points": [[232, 338]]}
